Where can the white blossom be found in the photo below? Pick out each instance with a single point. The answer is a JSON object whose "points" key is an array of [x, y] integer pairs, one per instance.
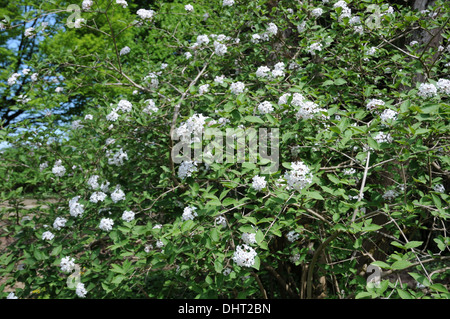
{"points": [[259, 183], [244, 256], [298, 177], [58, 169], [12, 295], [13, 78], [189, 8], [123, 3], [314, 47], [439, 188], [220, 220], [382, 137], [237, 87], [128, 215], [106, 224], [249, 238], [186, 169], [48, 235], [227, 3], [124, 105], [145, 14], [125, 50], [67, 264], [81, 290], [76, 209], [390, 195], [374, 103], [116, 158], [97, 197], [292, 236], [427, 90], [443, 85], [265, 107], [59, 223], [388, 115], [317, 12], [29, 32], [189, 213], [87, 4], [203, 89], [151, 107], [117, 195]]}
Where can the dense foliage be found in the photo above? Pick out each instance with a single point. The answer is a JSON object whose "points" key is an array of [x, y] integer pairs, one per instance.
{"points": [[358, 93]]}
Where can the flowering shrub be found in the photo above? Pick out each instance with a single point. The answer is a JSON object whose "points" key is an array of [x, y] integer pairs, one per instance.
{"points": [[363, 145]]}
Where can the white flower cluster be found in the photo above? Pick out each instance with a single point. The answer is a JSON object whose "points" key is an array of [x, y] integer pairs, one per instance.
{"points": [[189, 8], [125, 50], [298, 177], [193, 126], [106, 224], [152, 79], [374, 103], [244, 256], [389, 195], [87, 4], [388, 115], [220, 220], [346, 11], [317, 12], [29, 32], [227, 3], [382, 137], [47, 235], [265, 107], [443, 86], [237, 87], [67, 264], [93, 181], [97, 197], [151, 107], [13, 78], [203, 89], [145, 14], [271, 30], [58, 169], [189, 213], [259, 183], [249, 238], [59, 223], [292, 236], [80, 290], [186, 169], [76, 209], [266, 72], [123, 3], [306, 109], [439, 188], [427, 90], [128, 215], [317, 46], [116, 158], [117, 194]]}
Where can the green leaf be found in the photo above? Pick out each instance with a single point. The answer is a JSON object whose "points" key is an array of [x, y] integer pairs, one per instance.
{"points": [[340, 81], [413, 244], [315, 195], [404, 294], [381, 264], [254, 119], [401, 264], [439, 288]]}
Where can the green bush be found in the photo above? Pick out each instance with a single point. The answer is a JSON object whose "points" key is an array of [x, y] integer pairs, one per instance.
{"points": [[360, 178]]}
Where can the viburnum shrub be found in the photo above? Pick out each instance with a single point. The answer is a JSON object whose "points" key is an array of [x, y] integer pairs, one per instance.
{"points": [[352, 97]]}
